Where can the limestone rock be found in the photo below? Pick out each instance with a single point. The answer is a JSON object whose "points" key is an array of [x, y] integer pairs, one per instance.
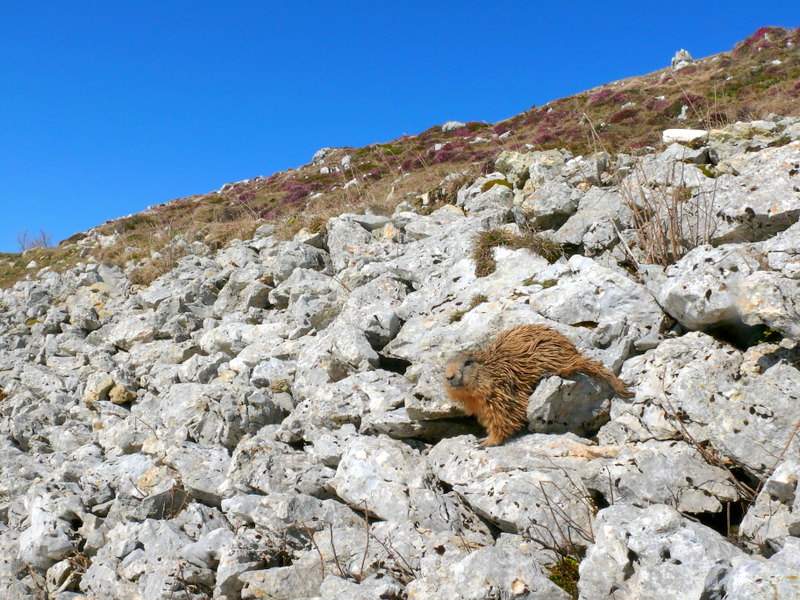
{"points": [[650, 552]]}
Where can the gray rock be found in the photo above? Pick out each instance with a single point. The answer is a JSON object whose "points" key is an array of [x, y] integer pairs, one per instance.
{"points": [[311, 296], [247, 551], [517, 486], [340, 350], [398, 424], [267, 466], [598, 205], [672, 473], [491, 192], [775, 515], [651, 552], [131, 330], [782, 251], [369, 589], [351, 245], [202, 469], [233, 295], [288, 256], [205, 552], [488, 573], [387, 477], [520, 167], [749, 579], [452, 126], [761, 199], [373, 307], [48, 537], [201, 369], [701, 290], [237, 255], [580, 405], [746, 419], [550, 204], [766, 298], [590, 295], [331, 405], [232, 338], [681, 60], [789, 554]]}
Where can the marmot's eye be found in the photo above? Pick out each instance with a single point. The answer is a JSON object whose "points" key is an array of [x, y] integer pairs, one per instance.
{"points": [[468, 362]]}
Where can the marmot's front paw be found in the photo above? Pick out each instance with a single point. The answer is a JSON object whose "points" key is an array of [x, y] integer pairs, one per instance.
{"points": [[489, 440]]}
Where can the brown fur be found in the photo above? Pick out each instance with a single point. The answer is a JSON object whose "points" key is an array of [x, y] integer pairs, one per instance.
{"points": [[494, 383]]}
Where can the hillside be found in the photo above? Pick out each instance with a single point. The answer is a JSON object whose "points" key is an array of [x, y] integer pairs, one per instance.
{"points": [[759, 76], [249, 405]]}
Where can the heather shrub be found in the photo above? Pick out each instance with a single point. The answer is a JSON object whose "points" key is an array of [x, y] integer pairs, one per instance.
{"points": [[600, 97], [500, 129], [621, 115], [296, 190]]}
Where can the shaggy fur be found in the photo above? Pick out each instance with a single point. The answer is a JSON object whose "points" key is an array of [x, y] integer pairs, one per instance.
{"points": [[494, 383]]}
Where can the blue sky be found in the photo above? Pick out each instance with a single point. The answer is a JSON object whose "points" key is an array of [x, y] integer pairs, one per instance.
{"points": [[108, 107]]}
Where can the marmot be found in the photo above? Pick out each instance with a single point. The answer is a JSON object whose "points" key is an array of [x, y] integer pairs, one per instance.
{"points": [[494, 383]]}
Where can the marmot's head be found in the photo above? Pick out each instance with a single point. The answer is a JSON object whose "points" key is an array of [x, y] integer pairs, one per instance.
{"points": [[461, 369]]}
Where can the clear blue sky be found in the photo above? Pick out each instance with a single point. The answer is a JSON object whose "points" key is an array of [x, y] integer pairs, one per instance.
{"points": [[108, 107]]}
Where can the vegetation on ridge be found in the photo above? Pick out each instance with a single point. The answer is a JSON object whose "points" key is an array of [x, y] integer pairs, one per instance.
{"points": [[761, 75]]}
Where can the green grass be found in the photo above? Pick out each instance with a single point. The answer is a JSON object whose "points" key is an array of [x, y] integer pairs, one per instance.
{"points": [[564, 573]]}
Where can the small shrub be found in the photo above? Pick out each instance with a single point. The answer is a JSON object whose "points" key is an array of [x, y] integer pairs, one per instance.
{"points": [[621, 115], [411, 163], [600, 97], [476, 300], [781, 141], [500, 129], [564, 573], [547, 283], [296, 190], [456, 316], [669, 220], [26, 242]]}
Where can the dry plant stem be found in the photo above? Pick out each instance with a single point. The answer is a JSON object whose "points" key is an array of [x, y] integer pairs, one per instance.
{"points": [[626, 246], [335, 556], [366, 544], [560, 515], [150, 427], [610, 487], [314, 543], [136, 487], [407, 570], [40, 589], [769, 473], [668, 224], [596, 139]]}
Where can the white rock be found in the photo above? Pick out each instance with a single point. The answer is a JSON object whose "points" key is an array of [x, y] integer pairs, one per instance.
{"points": [[682, 136]]}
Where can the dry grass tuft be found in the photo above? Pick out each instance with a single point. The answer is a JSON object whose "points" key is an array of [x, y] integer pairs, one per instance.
{"points": [[486, 241], [476, 300]]}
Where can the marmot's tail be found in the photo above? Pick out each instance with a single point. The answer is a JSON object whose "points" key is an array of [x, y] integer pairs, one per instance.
{"points": [[599, 371]]}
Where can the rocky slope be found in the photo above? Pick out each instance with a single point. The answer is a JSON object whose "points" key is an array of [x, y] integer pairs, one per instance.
{"points": [[267, 420], [759, 76]]}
